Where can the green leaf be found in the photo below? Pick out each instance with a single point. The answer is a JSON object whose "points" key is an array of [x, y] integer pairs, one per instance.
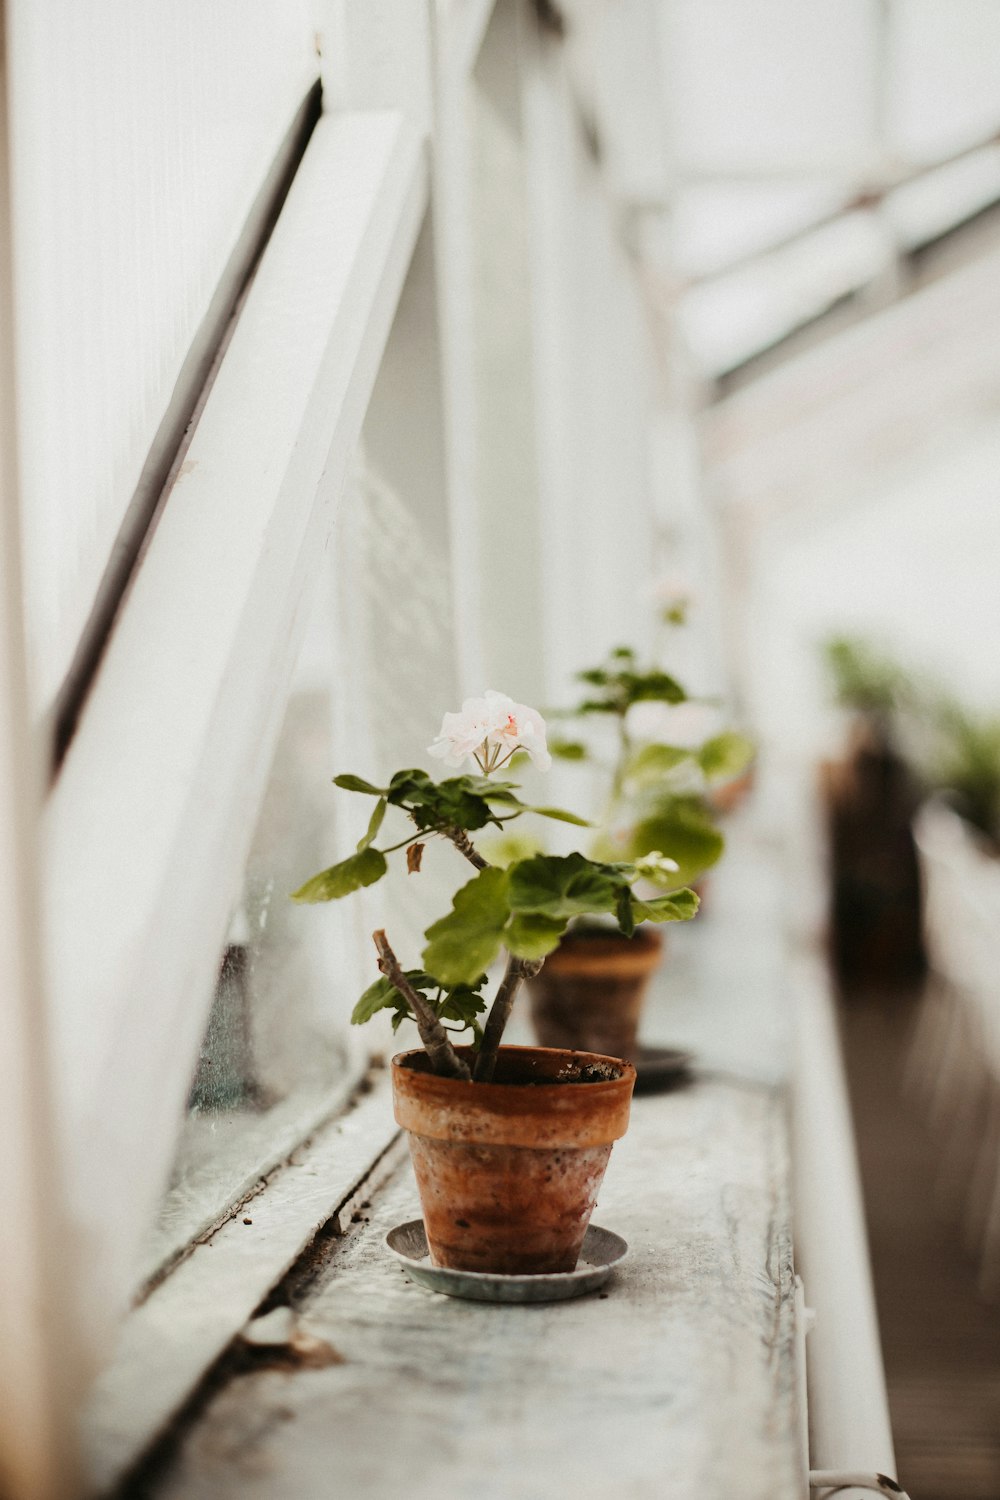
{"points": [[560, 815], [358, 784], [411, 788], [563, 886], [568, 749], [340, 880], [374, 824], [726, 755], [458, 802], [464, 1003], [530, 935], [465, 942], [599, 706], [679, 906], [656, 685], [681, 828], [653, 761], [382, 995]]}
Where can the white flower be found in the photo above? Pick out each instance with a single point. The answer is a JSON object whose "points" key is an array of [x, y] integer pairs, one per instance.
{"points": [[489, 730], [686, 725], [657, 867]]}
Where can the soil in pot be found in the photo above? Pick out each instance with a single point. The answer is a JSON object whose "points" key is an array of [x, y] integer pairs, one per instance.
{"points": [[592, 989], [508, 1172]]}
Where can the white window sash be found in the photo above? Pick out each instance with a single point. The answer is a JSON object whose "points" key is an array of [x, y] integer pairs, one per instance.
{"points": [[148, 827]]}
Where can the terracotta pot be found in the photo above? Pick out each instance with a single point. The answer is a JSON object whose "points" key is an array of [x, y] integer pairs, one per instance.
{"points": [[508, 1172], [592, 989]]}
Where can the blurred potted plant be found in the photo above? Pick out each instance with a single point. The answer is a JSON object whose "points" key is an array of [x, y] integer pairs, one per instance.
{"points": [[526, 1130], [870, 795], [666, 752], [966, 767]]}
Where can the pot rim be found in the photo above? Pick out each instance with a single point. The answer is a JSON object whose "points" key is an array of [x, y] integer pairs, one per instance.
{"points": [[400, 1061], [521, 1114]]}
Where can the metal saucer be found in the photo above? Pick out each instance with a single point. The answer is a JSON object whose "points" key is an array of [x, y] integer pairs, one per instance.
{"points": [[602, 1252], [661, 1068]]}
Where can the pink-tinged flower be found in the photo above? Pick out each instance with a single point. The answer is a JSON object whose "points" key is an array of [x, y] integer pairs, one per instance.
{"points": [[686, 725], [489, 730]]}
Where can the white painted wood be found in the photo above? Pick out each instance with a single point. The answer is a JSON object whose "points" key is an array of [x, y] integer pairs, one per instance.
{"points": [[149, 823], [168, 1342], [376, 54], [616, 53], [142, 138], [681, 1380], [39, 1373], [849, 1423], [593, 395], [848, 1405], [460, 26]]}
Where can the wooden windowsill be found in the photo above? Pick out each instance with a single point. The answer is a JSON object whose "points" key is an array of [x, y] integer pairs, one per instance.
{"points": [[682, 1374]]}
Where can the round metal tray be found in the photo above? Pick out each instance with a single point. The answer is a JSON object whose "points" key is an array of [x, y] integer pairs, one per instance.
{"points": [[602, 1252], [661, 1068]]}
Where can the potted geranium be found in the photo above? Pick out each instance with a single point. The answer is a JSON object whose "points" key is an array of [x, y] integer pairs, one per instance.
{"points": [[509, 1144], [664, 753]]}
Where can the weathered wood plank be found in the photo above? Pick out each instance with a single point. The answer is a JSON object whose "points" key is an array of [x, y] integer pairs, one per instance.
{"points": [[679, 1381]]}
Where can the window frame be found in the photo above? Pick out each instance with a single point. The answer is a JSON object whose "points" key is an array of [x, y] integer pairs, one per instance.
{"points": [[174, 740]]}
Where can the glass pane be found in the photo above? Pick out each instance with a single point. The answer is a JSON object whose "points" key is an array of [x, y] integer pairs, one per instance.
{"points": [[277, 1055]]}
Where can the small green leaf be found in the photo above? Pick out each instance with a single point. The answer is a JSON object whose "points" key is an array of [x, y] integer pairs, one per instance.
{"points": [[358, 784], [464, 1003], [383, 995], [560, 815], [458, 802], [652, 762], [465, 942], [340, 880], [374, 824], [679, 906], [568, 749], [598, 706], [654, 686], [726, 756], [530, 935]]}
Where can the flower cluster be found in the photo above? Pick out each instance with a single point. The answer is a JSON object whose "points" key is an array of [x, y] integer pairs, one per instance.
{"points": [[490, 730]]}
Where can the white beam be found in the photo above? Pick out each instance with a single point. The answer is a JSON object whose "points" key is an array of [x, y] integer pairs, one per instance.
{"points": [[38, 1353]]}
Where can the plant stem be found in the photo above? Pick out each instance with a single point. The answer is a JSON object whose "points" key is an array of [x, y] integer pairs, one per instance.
{"points": [[517, 970], [465, 846], [445, 1061]]}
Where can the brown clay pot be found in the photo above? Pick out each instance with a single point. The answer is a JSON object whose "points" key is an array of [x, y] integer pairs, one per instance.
{"points": [[591, 991], [508, 1172]]}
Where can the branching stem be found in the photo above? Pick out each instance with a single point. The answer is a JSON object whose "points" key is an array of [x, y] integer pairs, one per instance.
{"points": [[465, 846], [517, 970], [444, 1059]]}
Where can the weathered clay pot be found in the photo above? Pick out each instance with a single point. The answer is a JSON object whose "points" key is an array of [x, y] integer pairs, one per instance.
{"points": [[508, 1172], [591, 991]]}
